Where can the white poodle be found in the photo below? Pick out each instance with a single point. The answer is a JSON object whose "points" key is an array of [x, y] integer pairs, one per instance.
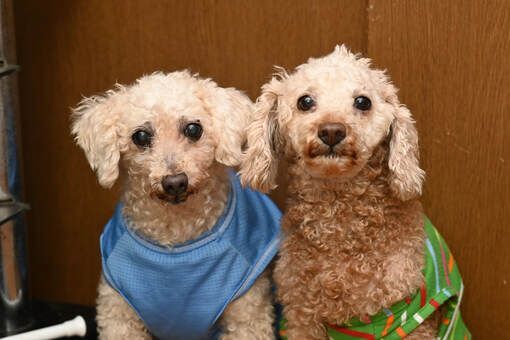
{"points": [[185, 253]]}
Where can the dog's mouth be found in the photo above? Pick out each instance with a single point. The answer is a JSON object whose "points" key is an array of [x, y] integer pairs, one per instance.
{"points": [[339, 161], [335, 153], [327, 152], [173, 199], [331, 154]]}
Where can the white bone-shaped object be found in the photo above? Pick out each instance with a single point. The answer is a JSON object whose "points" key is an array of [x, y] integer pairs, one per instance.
{"points": [[74, 327]]}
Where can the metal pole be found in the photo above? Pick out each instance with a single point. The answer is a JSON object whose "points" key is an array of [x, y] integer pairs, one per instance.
{"points": [[13, 265]]}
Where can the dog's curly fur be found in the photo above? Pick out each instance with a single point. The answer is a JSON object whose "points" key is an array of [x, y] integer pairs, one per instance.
{"points": [[163, 104], [354, 237]]}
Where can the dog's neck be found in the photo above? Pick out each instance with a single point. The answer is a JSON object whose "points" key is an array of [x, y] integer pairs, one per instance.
{"points": [[167, 224], [367, 241]]}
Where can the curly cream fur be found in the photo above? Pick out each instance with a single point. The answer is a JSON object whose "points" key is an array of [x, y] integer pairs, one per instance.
{"points": [[260, 163], [164, 103], [354, 238]]}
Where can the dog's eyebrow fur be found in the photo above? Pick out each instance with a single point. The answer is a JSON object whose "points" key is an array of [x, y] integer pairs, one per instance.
{"points": [[146, 125]]}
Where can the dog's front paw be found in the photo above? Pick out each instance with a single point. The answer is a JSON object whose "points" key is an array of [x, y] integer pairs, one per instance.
{"points": [[251, 316], [116, 320]]}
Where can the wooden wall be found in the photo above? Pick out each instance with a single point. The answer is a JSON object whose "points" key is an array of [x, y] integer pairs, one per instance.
{"points": [[448, 58]]}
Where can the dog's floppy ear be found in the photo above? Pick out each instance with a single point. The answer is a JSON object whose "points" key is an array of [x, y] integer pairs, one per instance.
{"points": [[260, 162], [95, 128], [406, 176], [231, 112]]}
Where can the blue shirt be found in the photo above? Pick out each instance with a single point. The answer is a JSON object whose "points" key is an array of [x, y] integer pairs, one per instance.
{"points": [[180, 292]]}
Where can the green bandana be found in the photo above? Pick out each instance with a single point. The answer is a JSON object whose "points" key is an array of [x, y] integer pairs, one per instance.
{"points": [[443, 287]]}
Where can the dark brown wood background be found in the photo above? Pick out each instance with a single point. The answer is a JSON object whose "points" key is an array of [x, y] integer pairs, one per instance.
{"points": [[448, 57]]}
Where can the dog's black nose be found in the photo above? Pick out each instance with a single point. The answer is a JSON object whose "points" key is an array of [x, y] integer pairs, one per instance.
{"points": [[331, 133], [175, 185]]}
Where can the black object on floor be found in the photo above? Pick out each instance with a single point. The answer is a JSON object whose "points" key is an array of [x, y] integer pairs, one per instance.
{"points": [[44, 314]]}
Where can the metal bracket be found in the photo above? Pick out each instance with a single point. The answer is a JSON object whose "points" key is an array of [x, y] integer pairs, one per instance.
{"points": [[9, 209], [6, 69]]}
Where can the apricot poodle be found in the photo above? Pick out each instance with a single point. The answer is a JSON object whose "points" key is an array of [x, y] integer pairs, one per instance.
{"points": [[359, 259]]}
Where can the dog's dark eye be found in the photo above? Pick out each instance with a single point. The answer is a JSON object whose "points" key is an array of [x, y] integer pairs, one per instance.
{"points": [[362, 103], [193, 131], [142, 138], [305, 103]]}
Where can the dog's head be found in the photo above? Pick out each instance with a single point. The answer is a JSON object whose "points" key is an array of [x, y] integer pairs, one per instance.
{"points": [[328, 117], [166, 131]]}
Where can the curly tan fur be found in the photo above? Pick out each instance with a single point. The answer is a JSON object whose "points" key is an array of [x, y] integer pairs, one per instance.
{"points": [[354, 238], [164, 104]]}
